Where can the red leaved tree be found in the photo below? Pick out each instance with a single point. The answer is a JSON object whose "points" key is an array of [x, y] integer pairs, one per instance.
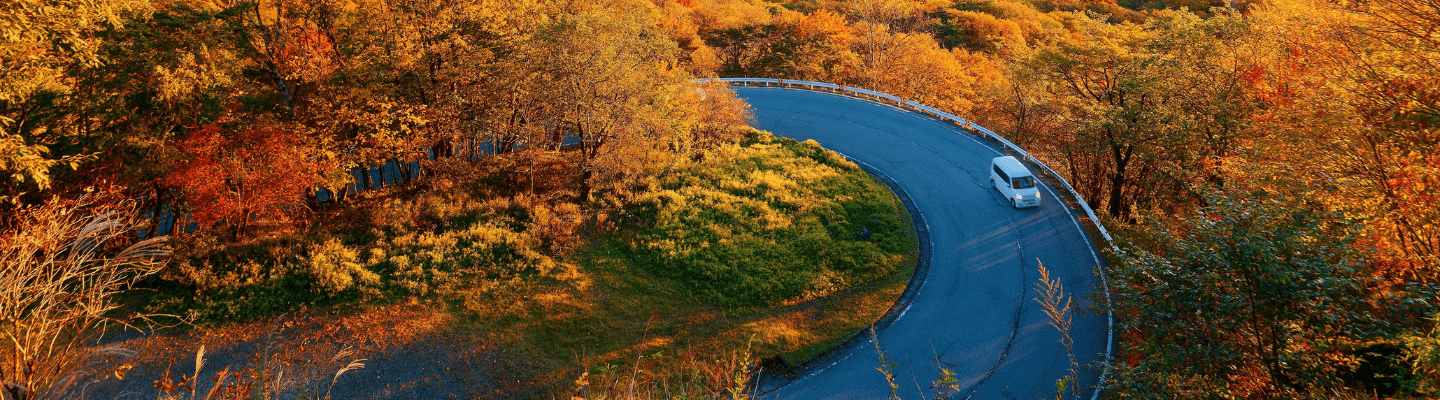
{"points": [[235, 175]]}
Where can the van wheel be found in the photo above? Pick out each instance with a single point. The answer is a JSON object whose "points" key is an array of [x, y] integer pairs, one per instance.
{"points": [[1013, 204]]}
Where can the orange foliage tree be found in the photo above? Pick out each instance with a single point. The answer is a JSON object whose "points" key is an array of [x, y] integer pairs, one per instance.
{"points": [[232, 175], [1350, 114]]}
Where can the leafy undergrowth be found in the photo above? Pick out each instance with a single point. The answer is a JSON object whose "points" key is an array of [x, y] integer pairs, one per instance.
{"points": [[471, 228], [771, 245]]}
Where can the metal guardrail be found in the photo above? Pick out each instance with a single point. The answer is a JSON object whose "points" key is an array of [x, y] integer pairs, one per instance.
{"points": [[943, 115], [973, 127]]}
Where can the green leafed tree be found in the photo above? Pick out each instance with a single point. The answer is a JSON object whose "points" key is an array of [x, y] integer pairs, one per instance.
{"points": [[1249, 298]]}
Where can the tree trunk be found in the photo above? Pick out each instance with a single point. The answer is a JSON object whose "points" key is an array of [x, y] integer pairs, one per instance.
{"points": [[365, 176], [236, 227], [1117, 207], [585, 185], [404, 168], [505, 145], [312, 199], [155, 215], [471, 149], [587, 152], [176, 224], [383, 166]]}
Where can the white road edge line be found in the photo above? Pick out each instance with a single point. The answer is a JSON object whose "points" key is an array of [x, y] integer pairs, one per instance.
{"points": [[1104, 282]]}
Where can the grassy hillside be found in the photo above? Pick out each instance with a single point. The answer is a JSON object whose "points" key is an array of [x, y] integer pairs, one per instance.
{"points": [[761, 248]]}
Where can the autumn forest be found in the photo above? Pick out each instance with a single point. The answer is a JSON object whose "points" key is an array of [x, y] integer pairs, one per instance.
{"points": [[535, 169]]}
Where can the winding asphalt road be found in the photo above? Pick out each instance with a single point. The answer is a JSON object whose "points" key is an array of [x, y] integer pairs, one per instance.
{"points": [[975, 313]]}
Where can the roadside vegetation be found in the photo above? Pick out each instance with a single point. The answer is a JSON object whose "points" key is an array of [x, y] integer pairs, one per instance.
{"points": [[579, 189], [664, 279], [1268, 167], [770, 221]]}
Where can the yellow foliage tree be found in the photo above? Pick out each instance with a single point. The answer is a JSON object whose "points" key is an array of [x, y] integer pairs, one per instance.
{"points": [[39, 43]]}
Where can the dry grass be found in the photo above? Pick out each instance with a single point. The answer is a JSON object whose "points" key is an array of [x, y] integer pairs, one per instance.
{"points": [[1056, 305], [61, 270], [312, 354], [261, 381]]}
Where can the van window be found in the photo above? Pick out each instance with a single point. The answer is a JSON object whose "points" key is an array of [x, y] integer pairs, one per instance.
{"points": [[1001, 173], [1024, 182]]}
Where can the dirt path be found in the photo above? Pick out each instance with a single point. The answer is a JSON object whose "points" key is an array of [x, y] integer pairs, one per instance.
{"points": [[408, 352]]}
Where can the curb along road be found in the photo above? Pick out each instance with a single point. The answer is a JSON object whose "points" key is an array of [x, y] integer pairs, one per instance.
{"points": [[770, 381], [976, 257]]}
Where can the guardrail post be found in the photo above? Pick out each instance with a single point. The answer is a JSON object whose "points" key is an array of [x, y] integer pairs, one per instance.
{"points": [[967, 125]]}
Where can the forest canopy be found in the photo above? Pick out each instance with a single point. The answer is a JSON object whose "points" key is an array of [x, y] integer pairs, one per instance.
{"points": [[1320, 119]]}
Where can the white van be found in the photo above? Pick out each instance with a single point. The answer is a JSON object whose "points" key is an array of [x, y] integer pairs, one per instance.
{"points": [[1014, 181]]}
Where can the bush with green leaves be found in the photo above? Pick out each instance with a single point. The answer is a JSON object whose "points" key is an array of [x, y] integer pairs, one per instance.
{"points": [[336, 267], [1251, 297], [769, 220], [1423, 350]]}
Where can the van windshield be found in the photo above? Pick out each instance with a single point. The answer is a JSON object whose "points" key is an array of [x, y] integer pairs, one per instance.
{"points": [[1024, 182]]}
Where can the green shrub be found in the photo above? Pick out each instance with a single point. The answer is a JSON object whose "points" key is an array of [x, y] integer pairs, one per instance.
{"points": [[337, 268], [768, 220], [1423, 351]]}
